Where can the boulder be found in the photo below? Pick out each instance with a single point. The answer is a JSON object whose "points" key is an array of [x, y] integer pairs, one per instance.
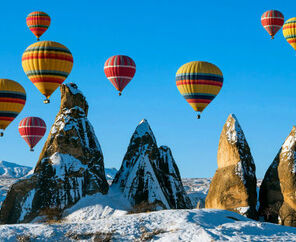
{"points": [[233, 186], [70, 166]]}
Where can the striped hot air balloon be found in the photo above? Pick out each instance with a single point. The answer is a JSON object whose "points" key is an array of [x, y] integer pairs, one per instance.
{"points": [[12, 101], [47, 64], [38, 22], [32, 129], [120, 69], [272, 21], [199, 82], [289, 31]]}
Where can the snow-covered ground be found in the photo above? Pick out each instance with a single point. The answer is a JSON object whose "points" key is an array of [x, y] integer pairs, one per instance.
{"points": [[107, 218], [167, 225]]}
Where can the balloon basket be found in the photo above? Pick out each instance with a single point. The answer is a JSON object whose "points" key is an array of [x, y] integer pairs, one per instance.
{"points": [[31, 149], [198, 116], [119, 94], [46, 101], [1, 134]]}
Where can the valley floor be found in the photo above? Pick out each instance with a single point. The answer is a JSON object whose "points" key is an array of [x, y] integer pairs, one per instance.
{"points": [[167, 225]]}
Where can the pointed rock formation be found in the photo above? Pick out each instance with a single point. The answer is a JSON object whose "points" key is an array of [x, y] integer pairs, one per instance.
{"points": [[278, 188], [70, 166], [233, 186], [148, 174]]}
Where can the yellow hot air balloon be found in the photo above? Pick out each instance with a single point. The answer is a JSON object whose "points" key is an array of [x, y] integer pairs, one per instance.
{"points": [[47, 64], [12, 101], [199, 82], [289, 31]]}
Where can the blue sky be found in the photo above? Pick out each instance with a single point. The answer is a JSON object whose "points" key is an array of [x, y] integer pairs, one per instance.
{"points": [[259, 74]]}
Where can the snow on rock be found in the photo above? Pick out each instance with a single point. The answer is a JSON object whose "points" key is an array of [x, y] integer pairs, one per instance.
{"points": [[110, 173], [277, 192], [12, 170], [70, 166], [234, 183], [204, 225], [149, 174]]}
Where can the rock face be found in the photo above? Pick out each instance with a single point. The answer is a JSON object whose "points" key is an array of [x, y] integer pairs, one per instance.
{"points": [[148, 174], [70, 166], [233, 186], [277, 191]]}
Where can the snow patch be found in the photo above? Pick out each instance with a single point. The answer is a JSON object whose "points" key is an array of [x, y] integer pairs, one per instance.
{"points": [[234, 132], [143, 129], [27, 205], [73, 88], [65, 162]]}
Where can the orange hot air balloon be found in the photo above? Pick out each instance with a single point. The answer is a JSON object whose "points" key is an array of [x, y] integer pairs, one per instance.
{"points": [[199, 82], [12, 101], [47, 64], [38, 22]]}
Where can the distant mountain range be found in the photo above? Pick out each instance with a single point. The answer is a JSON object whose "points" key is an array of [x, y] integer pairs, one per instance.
{"points": [[13, 170]]}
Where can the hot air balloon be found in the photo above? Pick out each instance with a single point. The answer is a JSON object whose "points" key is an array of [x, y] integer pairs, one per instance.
{"points": [[289, 31], [199, 82], [272, 21], [12, 101], [120, 69], [38, 22], [47, 64], [32, 129]]}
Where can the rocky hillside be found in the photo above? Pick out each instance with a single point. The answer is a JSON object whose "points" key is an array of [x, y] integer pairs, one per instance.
{"points": [[70, 166], [149, 174]]}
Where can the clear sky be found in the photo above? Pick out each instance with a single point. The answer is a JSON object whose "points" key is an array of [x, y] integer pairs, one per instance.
{"points": [[259, 74]]}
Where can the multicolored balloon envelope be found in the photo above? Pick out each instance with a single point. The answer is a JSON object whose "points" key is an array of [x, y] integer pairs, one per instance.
{"points": [[199, 82], [12, 101], [38, 22], [272, 21], [32, 129], [120, 69], [289, 31], [47, 64]]}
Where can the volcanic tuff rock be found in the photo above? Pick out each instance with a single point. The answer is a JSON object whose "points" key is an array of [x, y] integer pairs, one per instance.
{"points": [[277, 192], [70, 166], [148, 174], [233, 186]]}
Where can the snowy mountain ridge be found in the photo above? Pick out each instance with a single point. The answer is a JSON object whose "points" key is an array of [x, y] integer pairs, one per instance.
{"points": [[12, 170]]}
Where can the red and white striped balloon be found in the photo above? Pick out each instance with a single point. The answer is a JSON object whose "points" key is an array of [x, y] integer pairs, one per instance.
{"points": [[120, 69], [272, 21], [32, 129]]}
